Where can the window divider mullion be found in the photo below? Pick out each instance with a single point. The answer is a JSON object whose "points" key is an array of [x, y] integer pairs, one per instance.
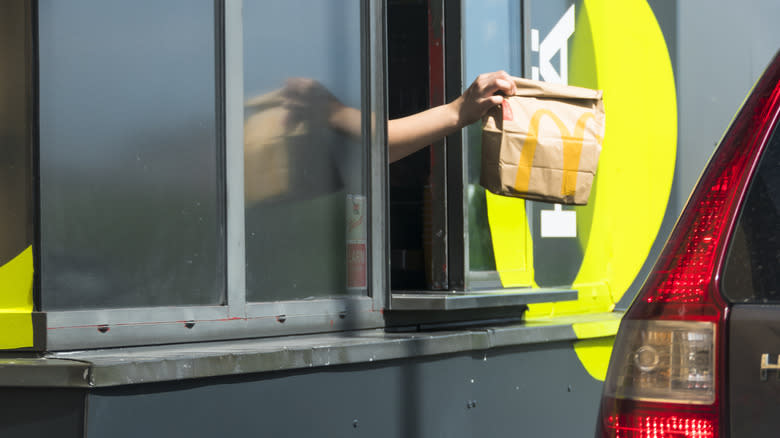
{"points": [[234, 157], [375, 82], [457, 216]]}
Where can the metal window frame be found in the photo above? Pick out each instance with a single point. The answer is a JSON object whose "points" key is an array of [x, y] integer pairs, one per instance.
{"points": [[519, 56], [237, 318], [450, 204], [472, 294], [457, 215]]}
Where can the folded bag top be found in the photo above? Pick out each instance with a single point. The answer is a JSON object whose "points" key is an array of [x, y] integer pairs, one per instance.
{"points": [[547, 90], [543, 143]]}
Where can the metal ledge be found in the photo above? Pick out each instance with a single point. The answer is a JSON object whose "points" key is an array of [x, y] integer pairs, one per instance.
{"points": [[137, 365], [460, 300]]}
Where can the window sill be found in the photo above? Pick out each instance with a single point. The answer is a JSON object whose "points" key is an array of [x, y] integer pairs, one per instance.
{"points": [[127, 366], [460, 300]]}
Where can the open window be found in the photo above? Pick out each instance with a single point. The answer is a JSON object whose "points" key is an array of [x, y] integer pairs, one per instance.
{"points": [[191, 186], [443, 242]]}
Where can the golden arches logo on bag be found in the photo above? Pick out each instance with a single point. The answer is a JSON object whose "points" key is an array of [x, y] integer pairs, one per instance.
{"points": [[572, 150]]}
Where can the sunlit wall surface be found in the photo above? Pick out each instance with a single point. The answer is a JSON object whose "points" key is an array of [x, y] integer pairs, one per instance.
{"points": [[129, 156]]}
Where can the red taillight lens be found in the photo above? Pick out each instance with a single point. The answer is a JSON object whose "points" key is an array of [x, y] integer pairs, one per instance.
{"points": [[680, 285], [666, 377], [661, 420]]}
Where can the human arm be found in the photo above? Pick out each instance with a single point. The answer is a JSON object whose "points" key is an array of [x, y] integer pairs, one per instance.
{"points": [[408, 134]]}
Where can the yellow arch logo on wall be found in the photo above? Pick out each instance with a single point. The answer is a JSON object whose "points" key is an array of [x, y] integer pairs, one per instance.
{"points": [[16, 302], [617, 47]]}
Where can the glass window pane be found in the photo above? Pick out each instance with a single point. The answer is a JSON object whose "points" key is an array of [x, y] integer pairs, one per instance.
{"points": [[303, 167], [15, 133], [752, 273], [502, 251], [492, 41], [130, 209], [556, 260]]}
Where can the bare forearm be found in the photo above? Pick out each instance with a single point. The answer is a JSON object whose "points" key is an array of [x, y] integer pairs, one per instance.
{"points": [[405, 135], [410, 134]]}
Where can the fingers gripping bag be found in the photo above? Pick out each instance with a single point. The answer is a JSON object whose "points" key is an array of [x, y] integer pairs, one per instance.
{"points": [[543, 143]]}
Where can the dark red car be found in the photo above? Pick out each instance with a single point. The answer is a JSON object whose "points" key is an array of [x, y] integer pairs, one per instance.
{"points": [[698, 352]]}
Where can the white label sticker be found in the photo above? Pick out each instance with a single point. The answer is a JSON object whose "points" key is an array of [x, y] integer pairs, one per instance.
{"points": [[559, 223]]}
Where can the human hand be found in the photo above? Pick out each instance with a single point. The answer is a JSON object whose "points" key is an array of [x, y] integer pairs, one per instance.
{"points": [[308, 100], [487, 91]]}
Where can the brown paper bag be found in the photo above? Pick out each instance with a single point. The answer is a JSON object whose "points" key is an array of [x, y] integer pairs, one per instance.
{"points": [[543, 143], [285, 157], [266, 148]]}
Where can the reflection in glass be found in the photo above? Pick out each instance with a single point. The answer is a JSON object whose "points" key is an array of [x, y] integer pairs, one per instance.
{"points": [[15, 132], [130, 209], [751, 274], [299, 169]]}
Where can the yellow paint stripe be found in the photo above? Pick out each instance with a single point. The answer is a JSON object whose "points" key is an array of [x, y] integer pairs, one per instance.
{"points": [[16, 302], [595, 345], [637, 163], [596, 329], [619, 47], [594, 355], [511, 240]]}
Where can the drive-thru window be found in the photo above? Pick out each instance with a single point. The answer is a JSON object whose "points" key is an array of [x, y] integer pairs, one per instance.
{"points": [[188, 185], [183, 226]]}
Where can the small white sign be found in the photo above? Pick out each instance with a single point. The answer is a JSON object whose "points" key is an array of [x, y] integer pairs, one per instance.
{"points": [[559, 223]]}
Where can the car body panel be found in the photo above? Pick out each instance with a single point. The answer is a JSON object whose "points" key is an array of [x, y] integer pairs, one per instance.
{"points": [[754, 330]]}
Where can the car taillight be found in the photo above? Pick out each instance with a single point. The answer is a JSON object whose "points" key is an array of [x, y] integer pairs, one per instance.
{"points": [[661, 382], [666, 374], [670, 361]]}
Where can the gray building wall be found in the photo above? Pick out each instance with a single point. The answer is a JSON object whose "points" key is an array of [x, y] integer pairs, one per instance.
{"points": [[538, 390], [722, 48]]}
